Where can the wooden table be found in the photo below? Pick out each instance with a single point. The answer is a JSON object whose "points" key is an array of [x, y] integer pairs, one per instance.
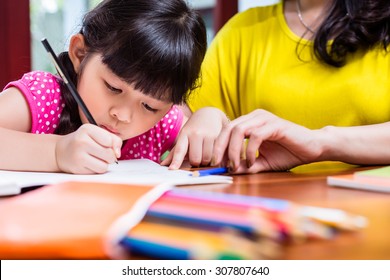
{"points": [[311, 188]]}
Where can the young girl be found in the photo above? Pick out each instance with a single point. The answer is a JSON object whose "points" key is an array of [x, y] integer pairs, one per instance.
{"points": [[132, 61]]}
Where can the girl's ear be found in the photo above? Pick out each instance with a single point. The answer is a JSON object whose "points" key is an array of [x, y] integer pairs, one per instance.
{"points": [[77, 50]]}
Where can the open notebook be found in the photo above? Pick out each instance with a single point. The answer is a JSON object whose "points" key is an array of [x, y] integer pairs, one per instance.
{"points": [[142, 172]]}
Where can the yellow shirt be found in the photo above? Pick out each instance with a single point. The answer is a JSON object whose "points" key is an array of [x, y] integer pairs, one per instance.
{"points": [[255, 62]]}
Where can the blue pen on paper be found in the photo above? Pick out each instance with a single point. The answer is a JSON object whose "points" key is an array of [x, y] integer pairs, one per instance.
{"points": [[210, 171]]}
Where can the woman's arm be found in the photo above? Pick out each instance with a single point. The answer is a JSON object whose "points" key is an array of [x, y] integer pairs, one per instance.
{"points": [[366, 145], [276, 144], [85, 151], [196, 139]]}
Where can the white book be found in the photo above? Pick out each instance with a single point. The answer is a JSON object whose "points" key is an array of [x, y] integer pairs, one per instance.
{"points": [[360, 182], [141, 171]]}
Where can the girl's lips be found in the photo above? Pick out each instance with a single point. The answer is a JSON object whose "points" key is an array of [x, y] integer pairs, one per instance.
{"points": [[113, 131]]}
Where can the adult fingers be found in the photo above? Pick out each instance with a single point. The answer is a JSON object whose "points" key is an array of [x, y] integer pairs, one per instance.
{"points": [[168, 159], [220, 146], [259, 165], [208, 145], [177, 154], [238, 135], [255, 140]]}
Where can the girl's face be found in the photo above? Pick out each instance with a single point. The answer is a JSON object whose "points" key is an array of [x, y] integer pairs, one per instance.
{"points": [[115, 105]]}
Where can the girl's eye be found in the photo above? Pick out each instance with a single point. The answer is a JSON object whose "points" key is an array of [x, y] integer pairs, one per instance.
{"points": [[111, 88], [147, 107]]}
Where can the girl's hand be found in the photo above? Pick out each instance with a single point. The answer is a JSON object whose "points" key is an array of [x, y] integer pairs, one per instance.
{"points": [[196, 138], [88, 150], [272, 144]]}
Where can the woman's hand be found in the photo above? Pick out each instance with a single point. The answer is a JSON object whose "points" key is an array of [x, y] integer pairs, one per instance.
{"points": [[196, 138], [88, 150], [272, 144]]}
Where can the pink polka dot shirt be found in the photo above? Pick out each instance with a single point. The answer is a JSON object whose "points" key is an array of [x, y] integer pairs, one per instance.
{"points": [[43, 94]]}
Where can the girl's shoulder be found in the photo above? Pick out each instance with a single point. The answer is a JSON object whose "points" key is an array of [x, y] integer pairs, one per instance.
{"points": [[42, 91], [39, 85], [40, 79]]}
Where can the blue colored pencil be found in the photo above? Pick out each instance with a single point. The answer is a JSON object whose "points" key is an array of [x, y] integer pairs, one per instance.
{"points": [[210, 171]]}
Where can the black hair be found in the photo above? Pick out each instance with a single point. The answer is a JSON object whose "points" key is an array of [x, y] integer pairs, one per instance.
{"points": [[155, 45], [353, 25]]}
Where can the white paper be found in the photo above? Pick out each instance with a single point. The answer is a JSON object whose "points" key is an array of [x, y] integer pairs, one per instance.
{"points": [[8, 187], [141, 171]]}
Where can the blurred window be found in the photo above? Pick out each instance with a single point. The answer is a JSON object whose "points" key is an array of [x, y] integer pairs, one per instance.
{"points": [[58, 20]]}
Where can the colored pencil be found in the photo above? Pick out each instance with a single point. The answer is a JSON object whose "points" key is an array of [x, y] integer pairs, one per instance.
{"points": [[265, 216], [167, 241], [210, 171], [335, 217]]}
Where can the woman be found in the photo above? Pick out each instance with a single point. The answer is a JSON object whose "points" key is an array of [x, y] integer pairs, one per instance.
{"points": [[304, 80]]}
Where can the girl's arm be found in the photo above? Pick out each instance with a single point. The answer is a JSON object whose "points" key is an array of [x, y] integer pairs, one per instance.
{"points": [[88, 150], [19, 149], [27, 152]]}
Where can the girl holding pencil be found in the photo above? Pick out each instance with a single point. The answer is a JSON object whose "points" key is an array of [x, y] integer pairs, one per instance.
{"points": [[132, 62]]}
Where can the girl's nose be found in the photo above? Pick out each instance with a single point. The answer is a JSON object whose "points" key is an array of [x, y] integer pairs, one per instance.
{"points": [[122, 115]]}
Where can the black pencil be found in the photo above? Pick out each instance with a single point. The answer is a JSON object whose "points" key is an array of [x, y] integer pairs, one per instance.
{"points": [[64, 75]]}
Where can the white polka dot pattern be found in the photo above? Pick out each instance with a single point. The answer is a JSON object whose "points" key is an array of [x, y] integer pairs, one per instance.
{"points": [[43, 94]]}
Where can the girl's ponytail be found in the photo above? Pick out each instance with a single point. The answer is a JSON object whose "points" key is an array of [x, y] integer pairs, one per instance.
{"points": [[70, 119]]}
